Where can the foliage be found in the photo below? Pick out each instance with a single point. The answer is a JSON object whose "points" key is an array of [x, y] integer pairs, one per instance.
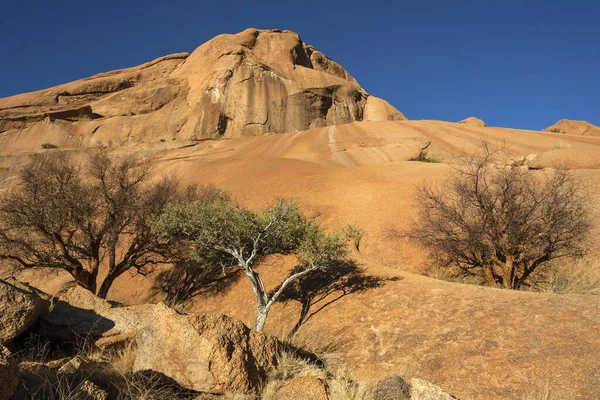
{"points": [[49, 146], [557, 130], [73, 216], [237, 238], [424, 157], [503, 223]]}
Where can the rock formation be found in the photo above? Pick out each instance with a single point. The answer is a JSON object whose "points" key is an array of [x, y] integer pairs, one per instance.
{"points": [[244, 84], [571, 127], [20, 307], [9, 373], [207, 353], [473, 121]]}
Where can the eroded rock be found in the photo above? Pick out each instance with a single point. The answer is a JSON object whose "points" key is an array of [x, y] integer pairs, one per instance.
{"points": [[20, 307], [9, 373], [206, 353], [245, 84], [423, 390], [305, 387]]}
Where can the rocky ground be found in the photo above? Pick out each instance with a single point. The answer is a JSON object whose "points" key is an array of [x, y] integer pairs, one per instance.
{"points": [[87, 348]]}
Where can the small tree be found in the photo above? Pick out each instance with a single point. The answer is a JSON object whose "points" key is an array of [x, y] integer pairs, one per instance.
{"points": [[502, 222], [61, 215], [240, 238]]}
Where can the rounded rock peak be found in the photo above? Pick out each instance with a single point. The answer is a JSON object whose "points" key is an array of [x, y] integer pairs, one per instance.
{"points": [[574, 127], [473, 121]]}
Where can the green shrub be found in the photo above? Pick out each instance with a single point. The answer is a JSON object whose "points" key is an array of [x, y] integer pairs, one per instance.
{"points": [[424, 157]]}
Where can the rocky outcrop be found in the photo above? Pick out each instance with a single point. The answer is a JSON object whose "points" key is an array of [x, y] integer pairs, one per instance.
{"points": [[244, 84], [571, 127], [304, 387], [9, 374], [205, 353], [473, 121], [392, 388], [378, 109], [20, 306], [423, 390], [75, 378]]}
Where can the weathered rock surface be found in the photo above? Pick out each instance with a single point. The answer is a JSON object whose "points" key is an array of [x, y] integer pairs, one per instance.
{"points": [[20, 307], [572, 127], [88, 390], [473, 121], [377, 109], [423, 390], [392, 388], [9, 373], [305, 387], [207, 353], [244, 84], [53, 379]]}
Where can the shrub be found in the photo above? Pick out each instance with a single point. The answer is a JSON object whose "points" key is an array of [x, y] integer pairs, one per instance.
{"points": [[503, 223], [49, 146], [63, 215], [424, 157]]}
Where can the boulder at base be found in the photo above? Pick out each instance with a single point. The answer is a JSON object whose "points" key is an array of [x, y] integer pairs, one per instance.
{"points": [[207, 353], [423, 390], [20, 307], [9, 373]]}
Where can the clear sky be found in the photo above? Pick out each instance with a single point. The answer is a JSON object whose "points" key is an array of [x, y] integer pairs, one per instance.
{"points": [[512, 63]]}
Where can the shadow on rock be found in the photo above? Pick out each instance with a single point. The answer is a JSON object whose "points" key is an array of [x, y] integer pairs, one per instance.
{"points": [[320, 289]]}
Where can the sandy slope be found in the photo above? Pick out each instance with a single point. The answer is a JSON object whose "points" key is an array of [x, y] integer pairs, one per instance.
{"points": [[479, 343]]}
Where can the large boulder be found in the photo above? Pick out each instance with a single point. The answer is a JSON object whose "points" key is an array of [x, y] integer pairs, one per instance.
{"points": [[205, 353], [304, 387], [9, 373], [473, 121], [20, 307], [573, 127], [377, 109], [424, 390]]}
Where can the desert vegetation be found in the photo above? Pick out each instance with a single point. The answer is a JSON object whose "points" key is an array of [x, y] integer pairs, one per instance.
{"points": [[503, 224], [235, 237], [74, 216]]}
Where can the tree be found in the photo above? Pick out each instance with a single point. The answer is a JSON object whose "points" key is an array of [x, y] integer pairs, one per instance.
{"points": [[503, 222], [62, 215], [240, 238]]}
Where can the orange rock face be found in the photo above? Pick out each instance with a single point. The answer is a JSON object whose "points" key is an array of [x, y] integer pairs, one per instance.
{"points": [[245, 84]]}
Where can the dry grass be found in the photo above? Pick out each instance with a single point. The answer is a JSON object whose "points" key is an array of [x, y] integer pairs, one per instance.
{"points": [[576, 277], [342, 386], [325, 364], [451, 274], [538, 388]]}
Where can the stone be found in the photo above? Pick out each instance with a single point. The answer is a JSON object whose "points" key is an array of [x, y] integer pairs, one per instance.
{"points": [[423, 390], [305, 388], [88, 390], [20, 307], [9, 373], [377, 109], [573, 127], [392, 388], [206, 353], [473, 121]]}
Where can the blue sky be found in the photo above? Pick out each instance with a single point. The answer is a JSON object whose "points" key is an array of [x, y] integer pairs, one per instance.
{"points": [[512, 63]]}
